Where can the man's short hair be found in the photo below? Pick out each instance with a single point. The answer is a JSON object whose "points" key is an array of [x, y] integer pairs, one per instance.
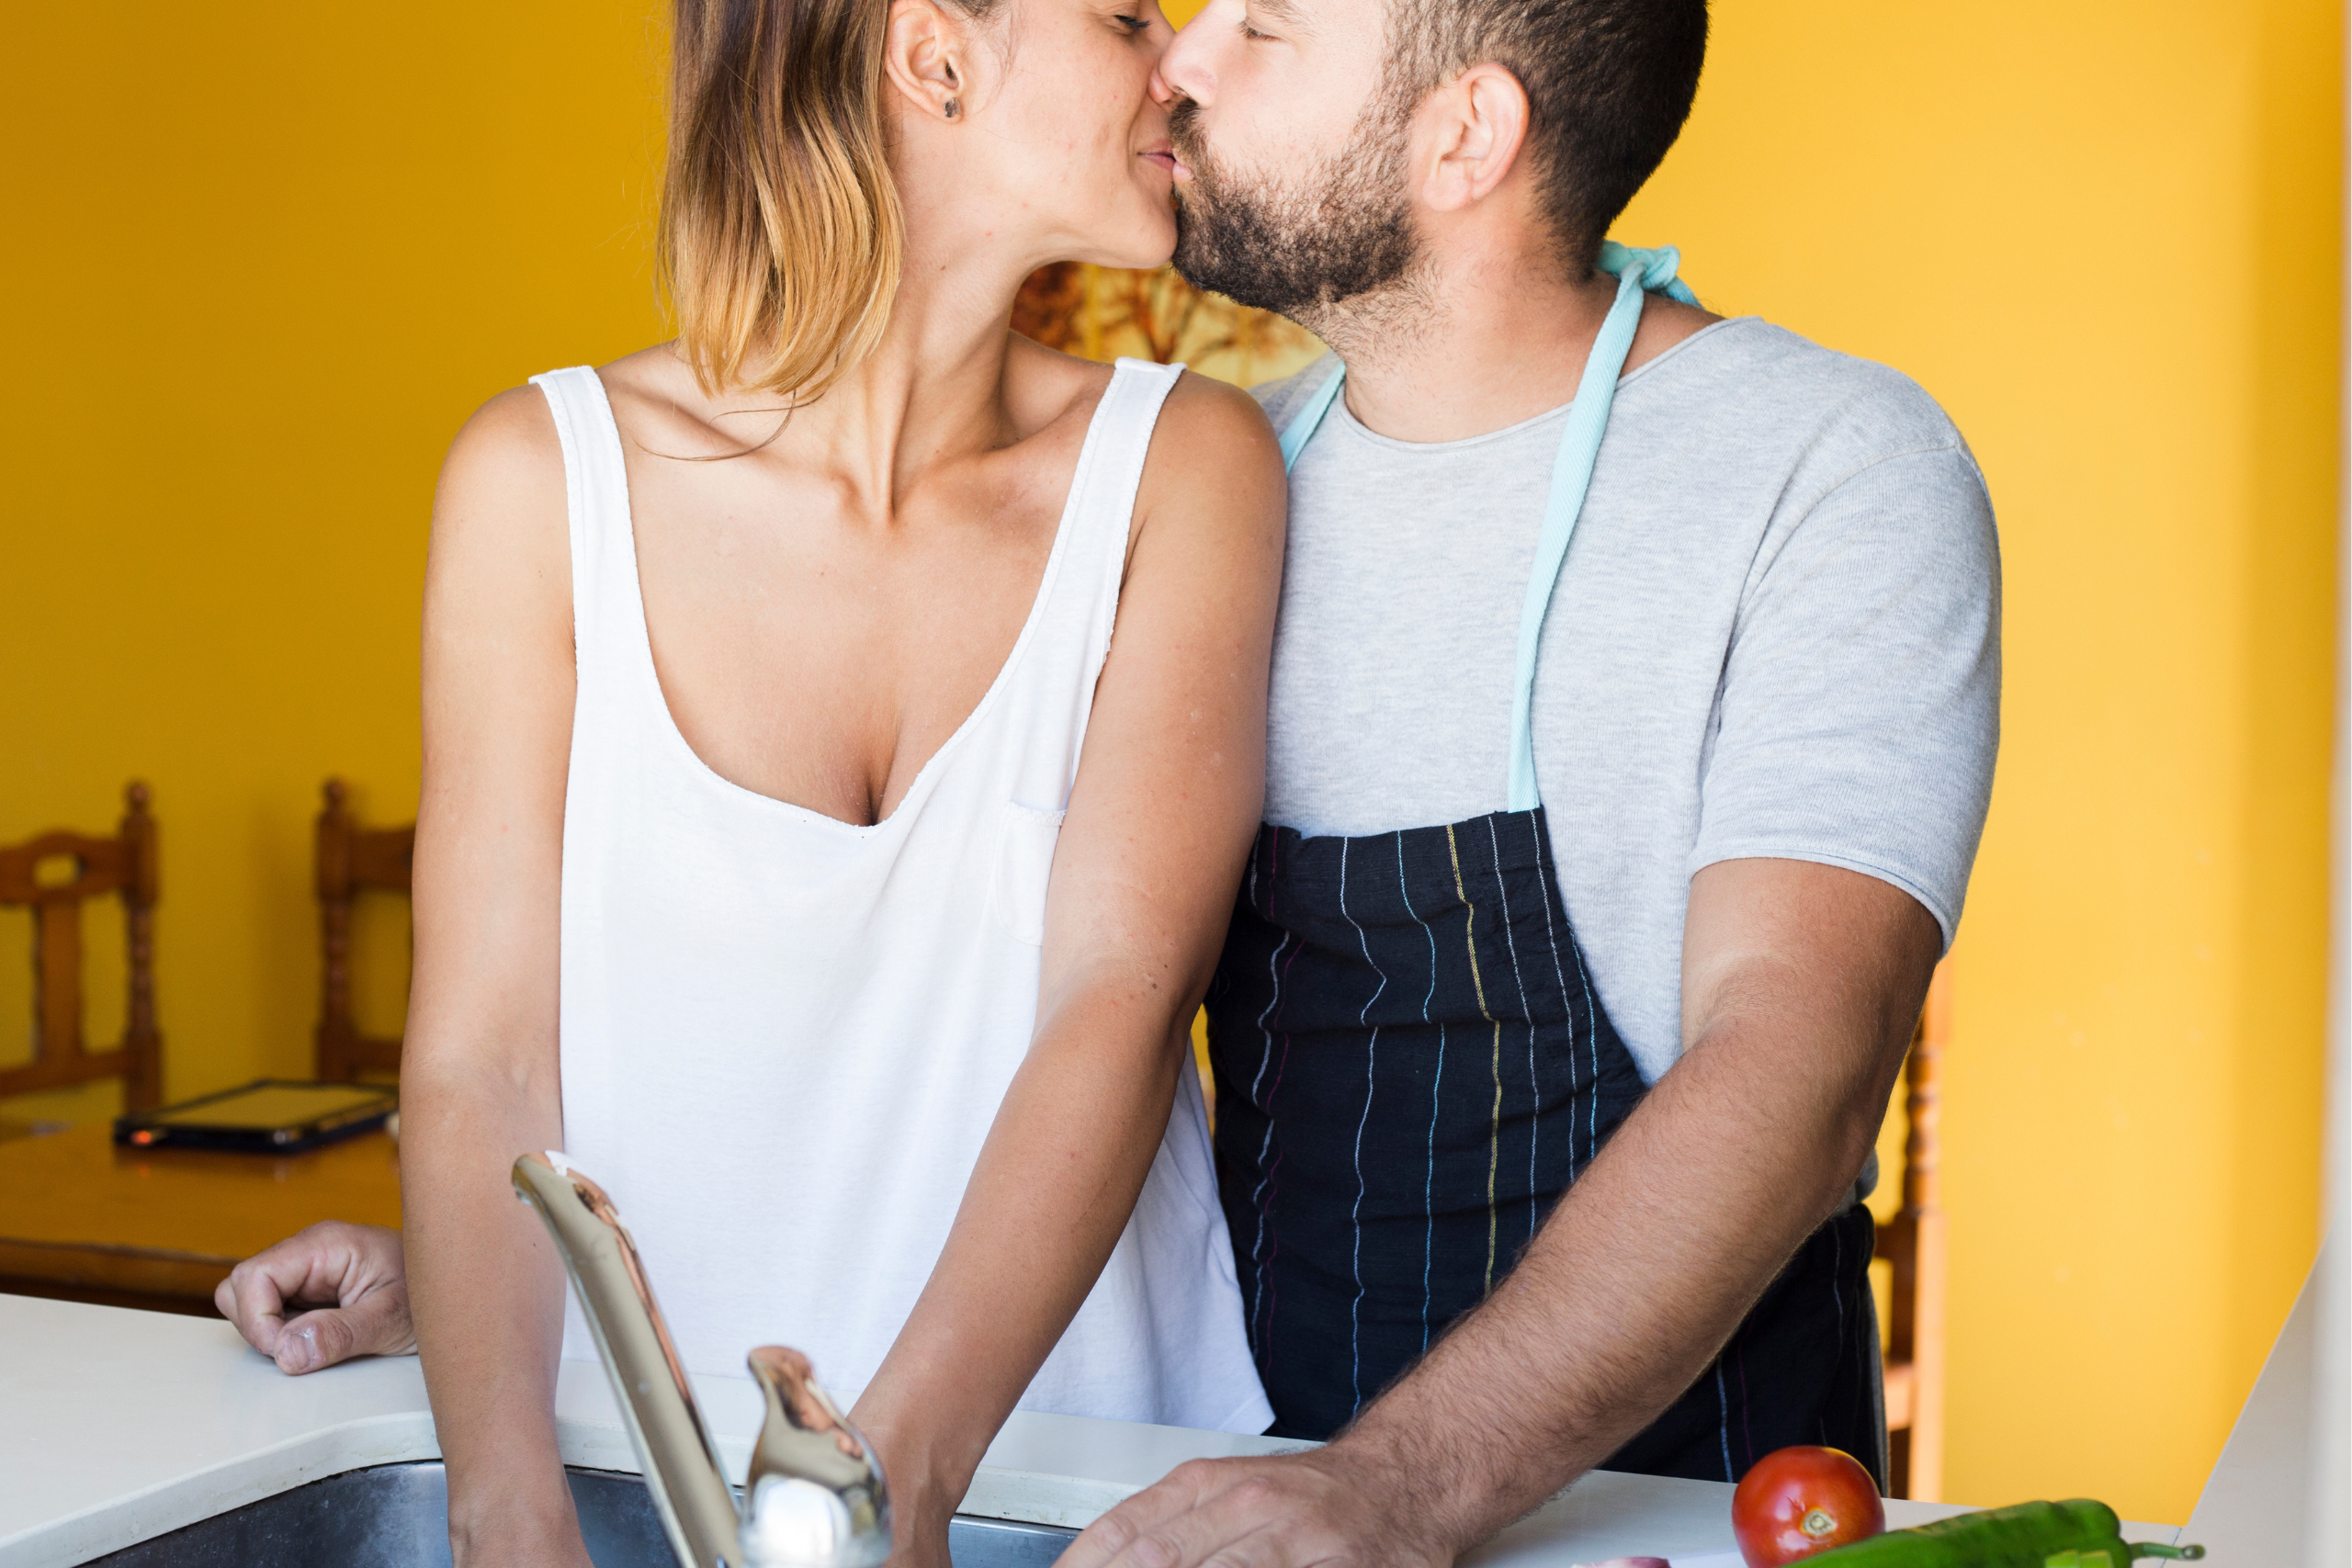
{"points": [[1609, 85]]}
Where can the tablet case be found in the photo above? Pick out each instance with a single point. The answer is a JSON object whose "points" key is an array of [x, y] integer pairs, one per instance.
{"points": [[275, 1116]]}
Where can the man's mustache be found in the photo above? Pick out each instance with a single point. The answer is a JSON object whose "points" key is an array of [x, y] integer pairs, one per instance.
{"points": [[1185, 134]]}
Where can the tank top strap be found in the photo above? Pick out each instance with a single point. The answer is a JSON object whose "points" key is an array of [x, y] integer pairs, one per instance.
{"points": [[1080, 600], [1110, 472], [608, 614]]}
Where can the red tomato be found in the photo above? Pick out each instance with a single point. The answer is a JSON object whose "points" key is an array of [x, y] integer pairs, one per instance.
{"points": [[1796, 1501]]}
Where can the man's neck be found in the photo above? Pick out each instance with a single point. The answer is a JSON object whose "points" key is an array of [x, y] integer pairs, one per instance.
{"points": [[1467, 345]]}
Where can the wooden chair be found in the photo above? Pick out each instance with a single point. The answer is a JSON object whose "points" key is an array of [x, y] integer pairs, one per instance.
{"points": [[352, 859], [1913, 1242], [125, 865]]}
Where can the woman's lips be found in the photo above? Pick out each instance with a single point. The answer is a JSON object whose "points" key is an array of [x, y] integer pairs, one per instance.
{"points": [[1161, 153]]}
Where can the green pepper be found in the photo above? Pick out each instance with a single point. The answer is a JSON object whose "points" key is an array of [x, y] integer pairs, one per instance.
{"points": [[2078, 1534]]}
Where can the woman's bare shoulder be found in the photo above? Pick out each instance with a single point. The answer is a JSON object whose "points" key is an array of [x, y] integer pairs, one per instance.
{"points": [[498, 510], [506, 464], [1206, 409], [1214, 459], [497, 655], [509, 441]]}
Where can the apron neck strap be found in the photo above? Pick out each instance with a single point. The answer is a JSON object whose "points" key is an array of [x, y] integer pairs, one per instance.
{"points": [[1309, 417], [1637, 271]]}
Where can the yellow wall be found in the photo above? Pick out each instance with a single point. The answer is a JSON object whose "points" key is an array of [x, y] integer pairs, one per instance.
{"points": [[263, 260], [267, 257]]}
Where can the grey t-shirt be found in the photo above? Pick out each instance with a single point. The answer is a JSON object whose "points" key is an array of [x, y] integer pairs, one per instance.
{"points": [[1778, 634]]}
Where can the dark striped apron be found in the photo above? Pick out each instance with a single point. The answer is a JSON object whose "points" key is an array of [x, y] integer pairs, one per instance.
{"points": [[1412, 1065]]}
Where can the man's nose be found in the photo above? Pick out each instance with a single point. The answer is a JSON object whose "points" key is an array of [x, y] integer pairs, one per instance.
{"points": [[1184, 70]]}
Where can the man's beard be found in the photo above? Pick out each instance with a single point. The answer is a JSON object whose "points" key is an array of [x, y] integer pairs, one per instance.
{"points": [[1297, 247]]}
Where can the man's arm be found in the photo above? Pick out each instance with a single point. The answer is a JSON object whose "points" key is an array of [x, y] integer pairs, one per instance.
{"points": [[322, 1295], [1801, 984]]}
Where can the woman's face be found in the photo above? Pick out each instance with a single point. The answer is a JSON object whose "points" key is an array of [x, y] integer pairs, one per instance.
{"points": [[1061, 126]]}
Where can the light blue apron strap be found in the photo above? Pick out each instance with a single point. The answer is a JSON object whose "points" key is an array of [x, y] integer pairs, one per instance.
{"points": [[1657, 268], [1302, 426], [1572, 477]]}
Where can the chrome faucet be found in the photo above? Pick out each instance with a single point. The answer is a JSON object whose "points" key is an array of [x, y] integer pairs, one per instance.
{"points": [[814, 1496]]}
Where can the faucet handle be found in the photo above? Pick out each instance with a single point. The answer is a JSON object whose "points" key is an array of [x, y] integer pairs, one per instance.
{"points": [[814, 1496]]}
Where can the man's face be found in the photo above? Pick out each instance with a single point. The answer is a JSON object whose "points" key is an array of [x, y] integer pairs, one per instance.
{"points": [[1292, 144]]}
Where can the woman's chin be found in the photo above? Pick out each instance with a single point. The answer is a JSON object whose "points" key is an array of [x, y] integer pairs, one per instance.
{"points": [[1149, 260], [1140, 247]]}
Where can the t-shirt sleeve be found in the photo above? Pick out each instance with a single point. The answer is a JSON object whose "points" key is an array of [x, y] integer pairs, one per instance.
{"points": [[1861, 700]]}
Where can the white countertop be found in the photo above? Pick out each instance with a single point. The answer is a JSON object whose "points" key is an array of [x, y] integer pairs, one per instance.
{"points": [[117, 1425]]}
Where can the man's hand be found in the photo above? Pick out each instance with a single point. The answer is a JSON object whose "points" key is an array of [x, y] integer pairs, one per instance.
{"points": [[324, 1295], [1332, 1507]]}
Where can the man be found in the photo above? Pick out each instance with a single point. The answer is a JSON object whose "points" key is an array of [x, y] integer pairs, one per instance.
{"points": [[1614, 829], [1626, 768]]}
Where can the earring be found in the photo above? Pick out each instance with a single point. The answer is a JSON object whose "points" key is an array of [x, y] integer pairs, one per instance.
{"points": [[954, 108]]}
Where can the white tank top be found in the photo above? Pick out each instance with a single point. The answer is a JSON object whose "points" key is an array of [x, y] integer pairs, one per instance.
{"points": [[785, 1036]]}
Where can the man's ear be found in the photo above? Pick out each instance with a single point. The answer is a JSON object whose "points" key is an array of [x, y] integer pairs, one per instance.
{"points": [[1476, 127], [923, 58]]}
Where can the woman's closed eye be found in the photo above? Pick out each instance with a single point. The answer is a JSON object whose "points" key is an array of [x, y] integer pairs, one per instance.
{"points": [[1137, 26]]}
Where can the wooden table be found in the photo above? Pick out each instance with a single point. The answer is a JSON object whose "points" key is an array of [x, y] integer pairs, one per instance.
{"points": [[159, 1228]]}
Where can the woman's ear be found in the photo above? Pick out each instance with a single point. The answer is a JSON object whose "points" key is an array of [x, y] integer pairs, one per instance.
{"points": [[1477, 125], [923, 58]]}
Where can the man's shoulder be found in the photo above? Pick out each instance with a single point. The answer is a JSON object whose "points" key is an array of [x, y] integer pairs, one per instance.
{"points": [[1758, 381]]}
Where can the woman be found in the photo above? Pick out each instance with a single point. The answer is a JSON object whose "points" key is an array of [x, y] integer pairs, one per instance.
{"points": [[757, 667]]}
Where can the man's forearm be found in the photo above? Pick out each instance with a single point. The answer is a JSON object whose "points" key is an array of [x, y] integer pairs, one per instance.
{"points": [[1653, 1258], [1629, 1291]]}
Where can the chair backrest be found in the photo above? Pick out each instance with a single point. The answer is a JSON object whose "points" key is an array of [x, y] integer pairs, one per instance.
{"points": [[1913, 1242], [124, 865], [352, 859]]}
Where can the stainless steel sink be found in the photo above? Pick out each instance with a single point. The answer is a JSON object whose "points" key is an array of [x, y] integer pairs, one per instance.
{"points": [[397, 1516]]}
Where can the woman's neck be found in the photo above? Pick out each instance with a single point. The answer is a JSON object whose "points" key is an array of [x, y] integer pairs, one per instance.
{"points": [[933, 391]]}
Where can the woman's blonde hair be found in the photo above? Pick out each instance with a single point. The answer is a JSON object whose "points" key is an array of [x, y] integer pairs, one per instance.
{"points": [[781, 232]]}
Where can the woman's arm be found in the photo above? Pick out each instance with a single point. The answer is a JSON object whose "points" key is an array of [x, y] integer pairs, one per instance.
{"points": [[479, 1067], [1160, 820]]}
